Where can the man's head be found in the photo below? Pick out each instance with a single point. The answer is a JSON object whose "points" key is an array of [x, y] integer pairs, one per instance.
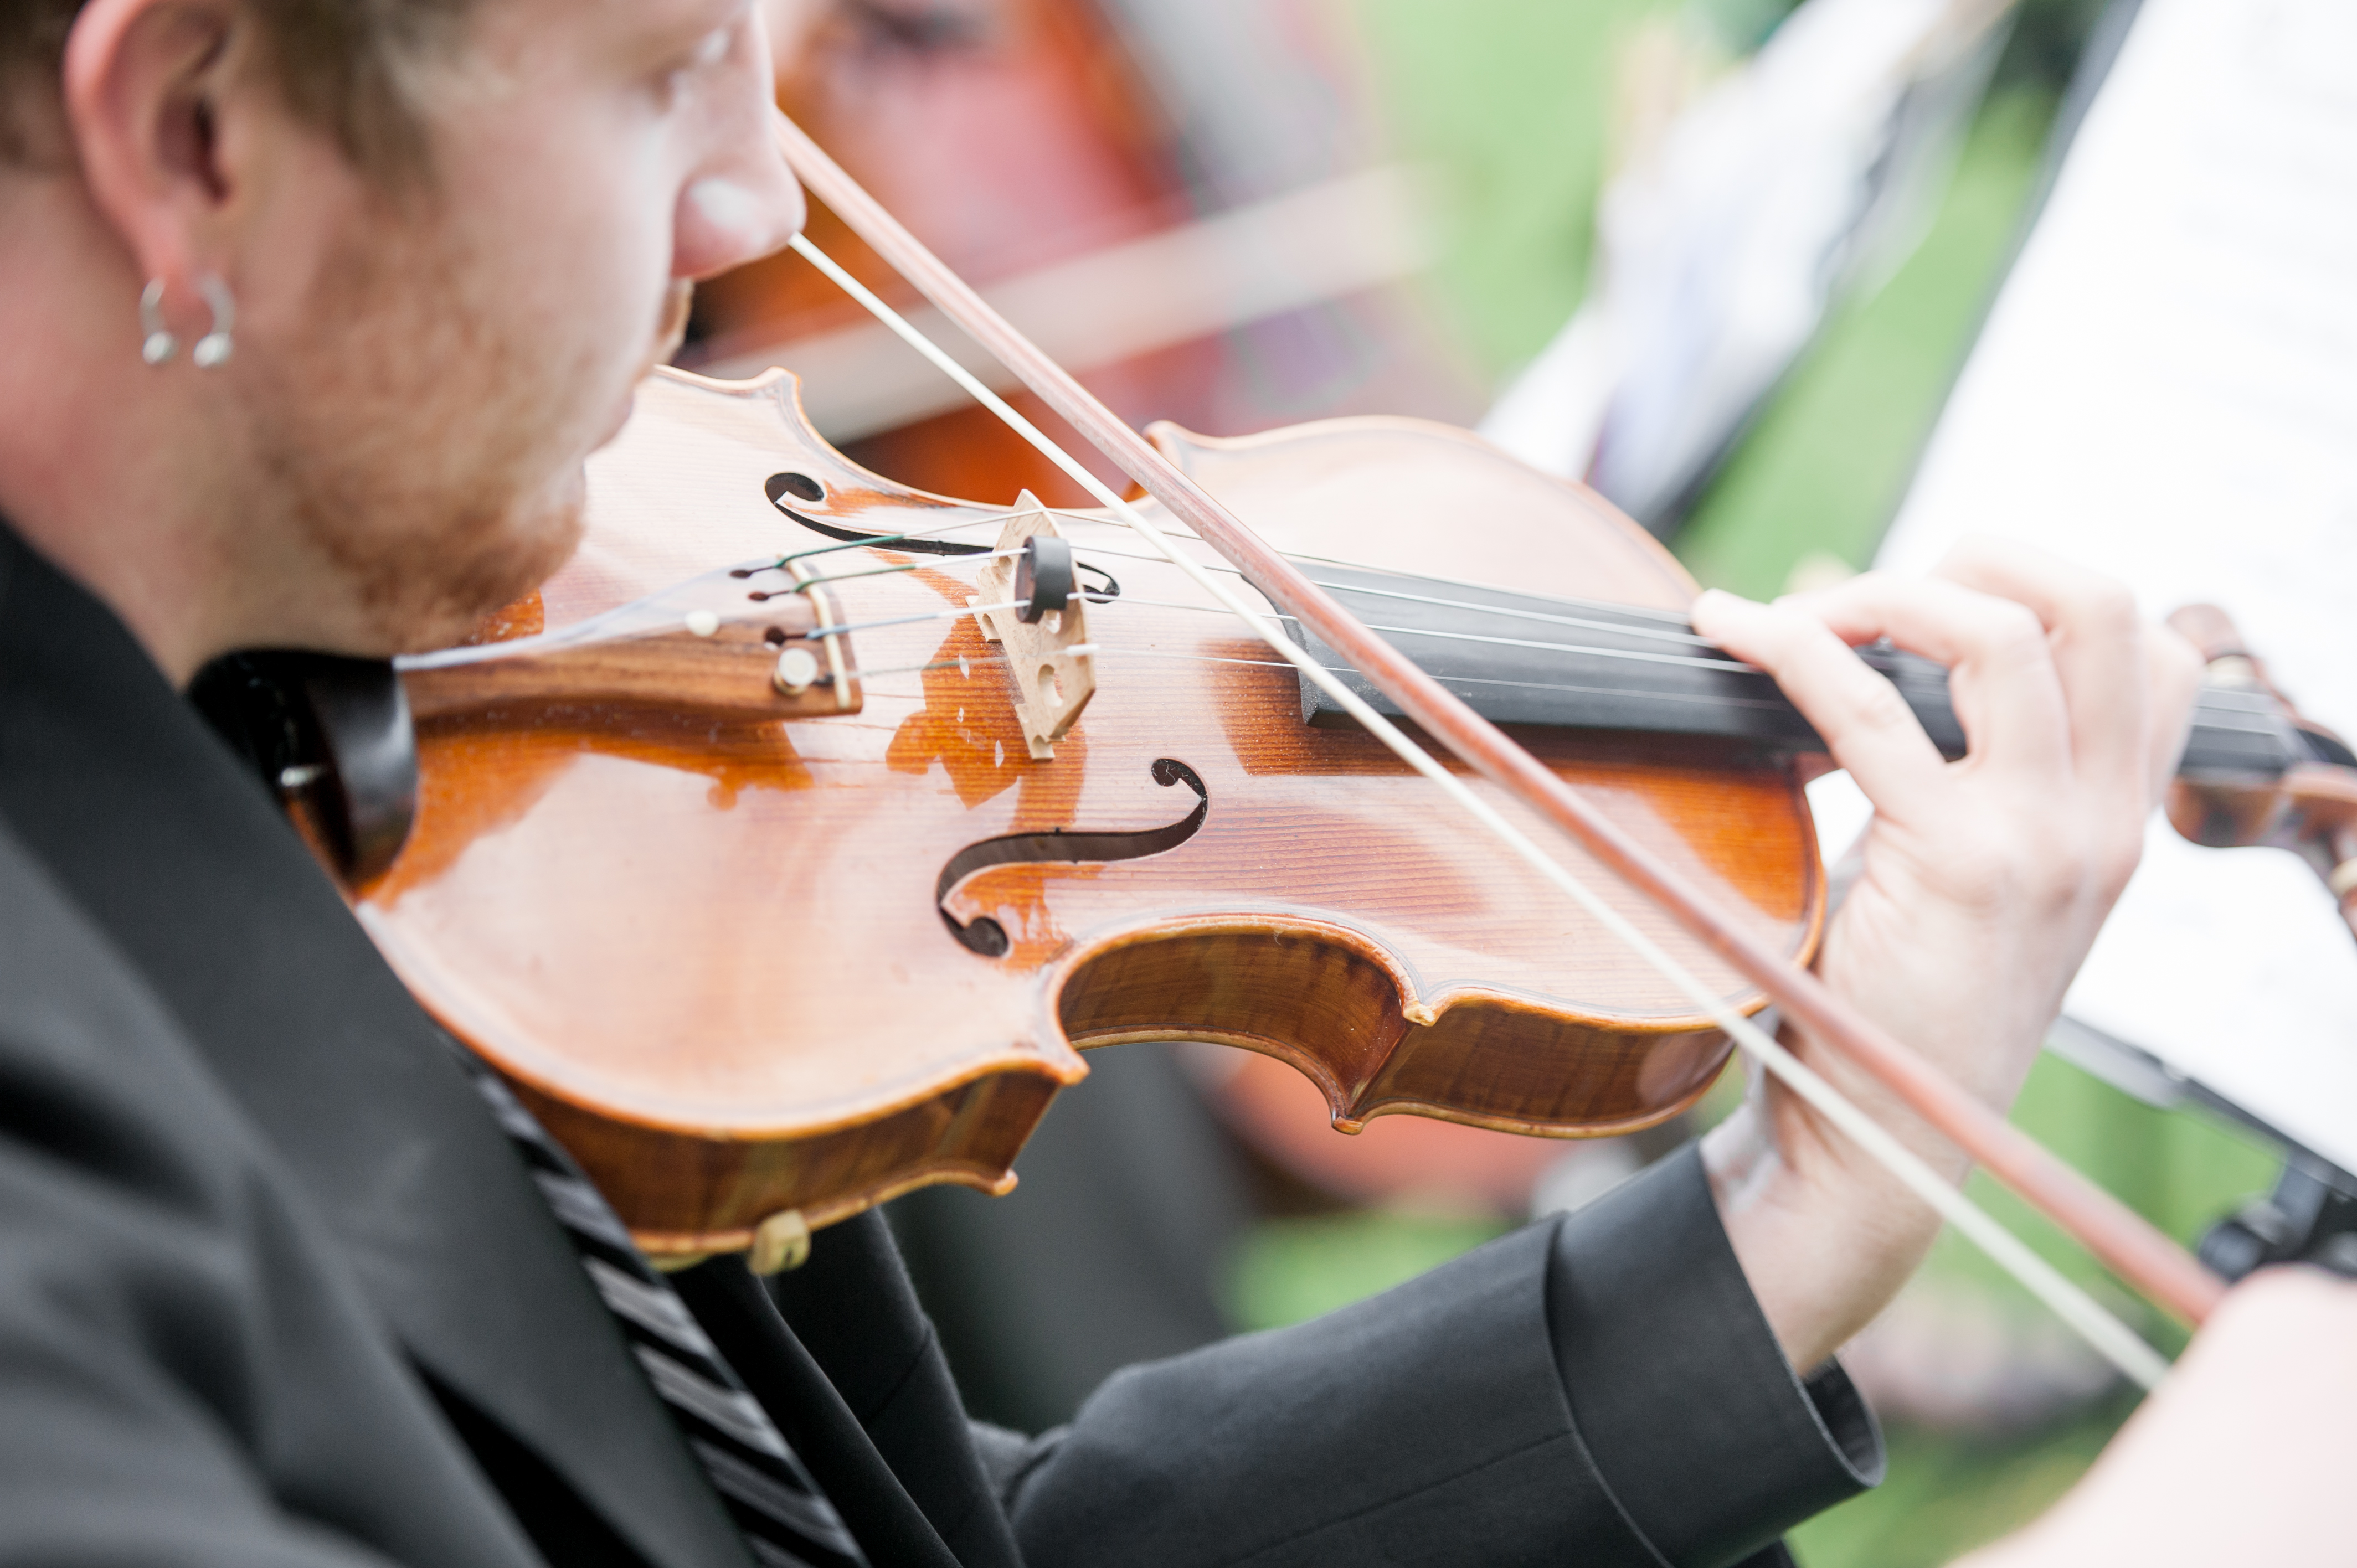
{"points": [[456, 231]]}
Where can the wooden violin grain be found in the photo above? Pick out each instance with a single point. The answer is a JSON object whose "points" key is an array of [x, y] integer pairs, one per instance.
{"points": [[725, 673], [720, 956]]}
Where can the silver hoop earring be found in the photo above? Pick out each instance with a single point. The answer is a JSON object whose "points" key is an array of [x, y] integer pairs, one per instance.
{"points": [[156, 343], [213, 349]]}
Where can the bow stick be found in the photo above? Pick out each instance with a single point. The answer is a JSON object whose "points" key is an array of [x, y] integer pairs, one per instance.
{"points": [[2121, 1238]]}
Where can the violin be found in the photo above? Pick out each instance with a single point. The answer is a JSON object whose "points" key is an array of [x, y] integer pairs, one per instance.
{"points": [[795, 884], [782, 888], [2307, 807], [747, 963]]}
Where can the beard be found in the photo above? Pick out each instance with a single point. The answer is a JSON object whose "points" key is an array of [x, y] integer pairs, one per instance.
{"points": [[419, 457]]}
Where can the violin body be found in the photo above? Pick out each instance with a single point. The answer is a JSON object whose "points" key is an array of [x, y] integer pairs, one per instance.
{"points": [[748, 965]]}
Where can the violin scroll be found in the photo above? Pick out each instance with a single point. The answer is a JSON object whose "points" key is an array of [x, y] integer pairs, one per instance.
{"points": [[2309, 809]]}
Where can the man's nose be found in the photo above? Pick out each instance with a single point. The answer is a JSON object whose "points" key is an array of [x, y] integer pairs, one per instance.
{"points": [[730, 216], [744, 202]]}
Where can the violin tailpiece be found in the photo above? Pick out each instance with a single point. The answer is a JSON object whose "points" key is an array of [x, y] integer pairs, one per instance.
{"points": [[710, 647], [1050, 659]]}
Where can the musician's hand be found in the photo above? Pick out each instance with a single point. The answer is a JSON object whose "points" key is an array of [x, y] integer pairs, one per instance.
{"points": [[1982, 885], [2239, 1457]]}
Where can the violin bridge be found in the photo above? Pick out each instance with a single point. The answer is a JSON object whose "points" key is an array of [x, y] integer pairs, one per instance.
{"points": [[839, 676], [1048, 655]]}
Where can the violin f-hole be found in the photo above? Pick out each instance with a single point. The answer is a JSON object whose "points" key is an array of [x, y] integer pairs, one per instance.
{"points": [[987, 936]]}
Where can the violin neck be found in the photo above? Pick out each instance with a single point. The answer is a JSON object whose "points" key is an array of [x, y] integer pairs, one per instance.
{"points": [[1570, 664]]}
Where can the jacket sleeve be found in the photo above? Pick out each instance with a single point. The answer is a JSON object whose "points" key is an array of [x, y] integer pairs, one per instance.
{"points": [[1712, 1445], [186, 1378], [1599, 1391]]}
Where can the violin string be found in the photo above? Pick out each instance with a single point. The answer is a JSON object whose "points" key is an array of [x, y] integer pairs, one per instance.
{"points": [[1685, 639], [954, 612], [763, 595], [1569, 687], [983, 519], [1672, 619], [1685, 660], [1345, 671], [959, 612], [1734, 666], [879, 541], [2110, 1336], [865, 676], [1679, 631], [1682, 634], [1679, 624], [1675, 627], [820, 580]]}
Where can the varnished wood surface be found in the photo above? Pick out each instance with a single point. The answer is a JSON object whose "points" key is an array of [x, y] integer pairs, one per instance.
{"points": [[714, 952], [723, 669]]}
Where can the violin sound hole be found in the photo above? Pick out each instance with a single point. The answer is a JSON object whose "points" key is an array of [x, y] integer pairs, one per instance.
{"points": [[987, 936], [802, 486]]}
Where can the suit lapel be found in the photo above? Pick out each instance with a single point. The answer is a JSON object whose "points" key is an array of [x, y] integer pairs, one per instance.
{"points": [[853, 1310], [117, 785], [842, 1351]]}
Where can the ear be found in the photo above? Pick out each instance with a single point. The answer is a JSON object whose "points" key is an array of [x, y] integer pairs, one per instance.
{"points": [[147, 86]]}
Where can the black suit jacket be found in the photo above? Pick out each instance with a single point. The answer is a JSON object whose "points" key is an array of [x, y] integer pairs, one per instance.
{"points": [[275, 1289]]}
